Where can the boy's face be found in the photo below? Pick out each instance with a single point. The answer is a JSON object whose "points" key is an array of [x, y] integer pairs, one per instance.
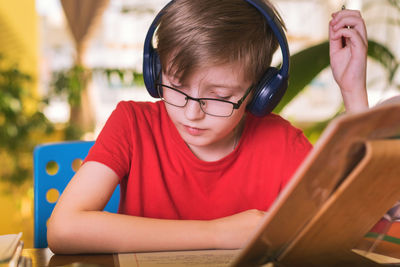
{"points": [[200, 130]]}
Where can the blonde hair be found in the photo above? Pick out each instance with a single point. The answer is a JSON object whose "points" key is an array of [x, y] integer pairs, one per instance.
{"points": [[200, 33]]}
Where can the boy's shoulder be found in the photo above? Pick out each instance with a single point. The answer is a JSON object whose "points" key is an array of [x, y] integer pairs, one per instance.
{"points": [[137, 105], [134, 112], [272, 122], [137, 108], [277, 131]]}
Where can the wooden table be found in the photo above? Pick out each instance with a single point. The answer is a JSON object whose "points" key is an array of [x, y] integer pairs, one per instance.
{"points": [[44, 257]]}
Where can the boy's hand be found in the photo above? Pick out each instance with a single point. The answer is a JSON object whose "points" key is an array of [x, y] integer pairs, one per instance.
{"points": [[234, 231], [348, 55]]}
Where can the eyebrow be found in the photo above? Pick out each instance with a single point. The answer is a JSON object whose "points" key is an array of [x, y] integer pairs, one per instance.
{"points": [[227, 86], [211, 84]]}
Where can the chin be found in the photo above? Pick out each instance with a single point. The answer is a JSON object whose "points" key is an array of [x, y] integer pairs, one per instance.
{"points": [[194, 141]]}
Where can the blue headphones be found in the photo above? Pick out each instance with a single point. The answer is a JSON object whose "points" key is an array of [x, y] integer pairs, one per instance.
{"points": [[269, 90]]}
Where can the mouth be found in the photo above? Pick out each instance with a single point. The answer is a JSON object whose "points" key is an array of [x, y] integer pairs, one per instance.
{"points": [[193, 130]]}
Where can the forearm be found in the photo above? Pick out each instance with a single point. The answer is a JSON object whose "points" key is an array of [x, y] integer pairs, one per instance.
{"points": [[102, 232], [355, 100]]}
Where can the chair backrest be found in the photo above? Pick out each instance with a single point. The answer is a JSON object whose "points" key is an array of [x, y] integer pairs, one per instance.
{"points": [[54, 166]]}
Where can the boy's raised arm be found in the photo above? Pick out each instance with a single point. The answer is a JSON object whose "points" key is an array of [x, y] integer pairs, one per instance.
{"points": [[78, 224], [349, 58]]}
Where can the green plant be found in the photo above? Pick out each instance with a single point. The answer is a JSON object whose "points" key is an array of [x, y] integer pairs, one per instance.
{"points": [[20, 121], [71, 83], [127, 77]]}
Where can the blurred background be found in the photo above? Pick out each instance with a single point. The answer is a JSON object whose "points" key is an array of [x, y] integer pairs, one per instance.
{"points": [[65, 64]]}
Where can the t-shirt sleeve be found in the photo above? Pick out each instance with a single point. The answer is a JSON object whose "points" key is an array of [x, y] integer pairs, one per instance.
{"points": [[113, 145]]}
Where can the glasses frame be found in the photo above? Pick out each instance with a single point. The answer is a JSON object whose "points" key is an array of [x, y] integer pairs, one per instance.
{"points": [[234, 105]]}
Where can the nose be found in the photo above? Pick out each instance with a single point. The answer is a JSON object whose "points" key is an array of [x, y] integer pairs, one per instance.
{"points": [[193, 110]]}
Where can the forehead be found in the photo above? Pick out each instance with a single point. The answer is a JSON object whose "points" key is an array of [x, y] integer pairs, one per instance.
{"points": [[228, 75]]}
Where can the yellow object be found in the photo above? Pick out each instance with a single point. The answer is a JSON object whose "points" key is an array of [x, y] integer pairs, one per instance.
{"points": [[19, 34], [19, 46]]}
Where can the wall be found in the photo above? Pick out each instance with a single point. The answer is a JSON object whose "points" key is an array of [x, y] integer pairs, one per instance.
{"points": [[19, 45]]}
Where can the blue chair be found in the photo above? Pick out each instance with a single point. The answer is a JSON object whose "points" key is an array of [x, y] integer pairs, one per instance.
{"points": [[54, 166]]}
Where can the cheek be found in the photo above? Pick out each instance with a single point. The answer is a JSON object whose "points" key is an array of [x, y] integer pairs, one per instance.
{"points": [[172, 110], [239, 113], [227, 125], [248, 100]]}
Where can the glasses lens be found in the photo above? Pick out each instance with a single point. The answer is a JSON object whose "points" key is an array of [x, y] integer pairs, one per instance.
{"points": [[172, 96], [216, 108], [209, 106]]}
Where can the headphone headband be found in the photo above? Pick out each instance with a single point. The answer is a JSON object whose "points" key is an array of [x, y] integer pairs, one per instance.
{"points": [[274, 24]]}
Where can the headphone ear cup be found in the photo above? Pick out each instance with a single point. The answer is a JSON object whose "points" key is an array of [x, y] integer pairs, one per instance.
{"points": [[151, 69], [156, 72], [268, 92]]}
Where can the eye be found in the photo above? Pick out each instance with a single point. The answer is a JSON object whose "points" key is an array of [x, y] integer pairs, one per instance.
{"points": [[179, 86], [173, 82], [224, 97], [221, 96]]}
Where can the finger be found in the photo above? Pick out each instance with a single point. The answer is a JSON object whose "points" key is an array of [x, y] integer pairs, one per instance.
{"points": [[334, 43], [352, 22], [354, 37], [346, 12]]}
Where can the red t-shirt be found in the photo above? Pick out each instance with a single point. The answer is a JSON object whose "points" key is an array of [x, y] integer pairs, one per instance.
{"points": [[161, 178]]}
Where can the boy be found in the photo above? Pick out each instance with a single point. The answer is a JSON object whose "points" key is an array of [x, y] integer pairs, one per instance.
{"points": [[196, 175]]}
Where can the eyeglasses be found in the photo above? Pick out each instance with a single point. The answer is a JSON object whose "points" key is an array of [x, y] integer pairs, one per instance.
{"points": [[211, 106]]}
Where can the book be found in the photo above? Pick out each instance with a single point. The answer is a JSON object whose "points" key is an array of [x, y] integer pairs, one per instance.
{"points": [[10, 249]]}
